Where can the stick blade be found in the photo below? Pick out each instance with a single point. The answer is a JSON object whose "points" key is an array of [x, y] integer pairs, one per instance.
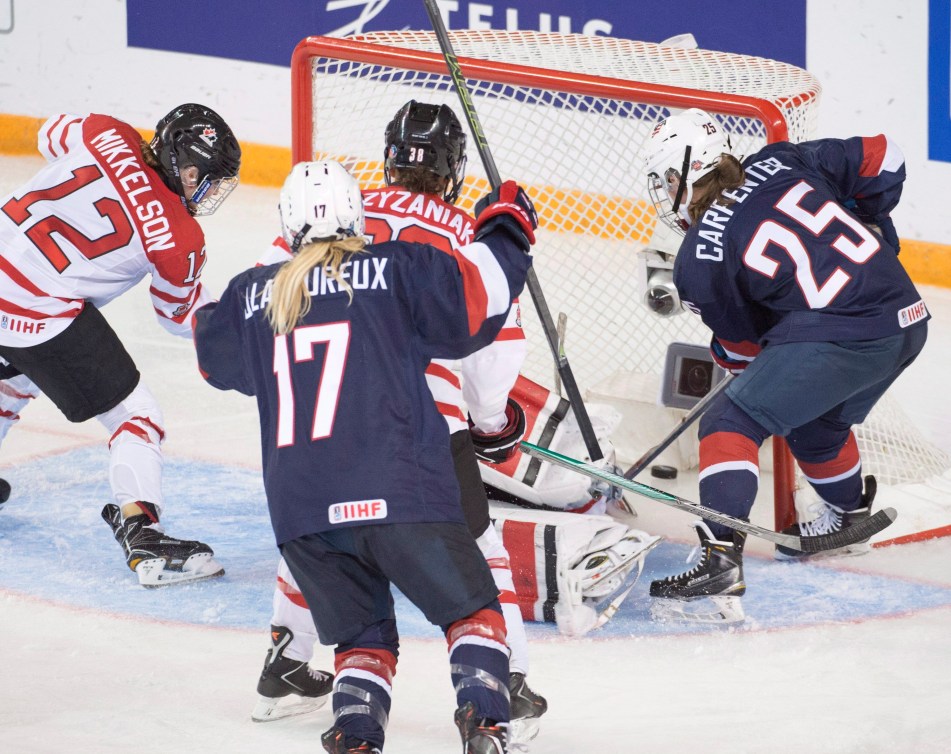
{"points": [[861, 532]]}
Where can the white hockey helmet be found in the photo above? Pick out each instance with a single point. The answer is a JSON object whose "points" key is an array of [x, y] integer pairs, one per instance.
{"points": [[320, 201], [680, 150]]}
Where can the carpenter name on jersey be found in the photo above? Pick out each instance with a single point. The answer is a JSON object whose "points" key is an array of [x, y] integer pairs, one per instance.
{"points": [[795, 241]]}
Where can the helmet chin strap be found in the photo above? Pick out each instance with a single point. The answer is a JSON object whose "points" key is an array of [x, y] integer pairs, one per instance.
{"points": [[682, 184]]}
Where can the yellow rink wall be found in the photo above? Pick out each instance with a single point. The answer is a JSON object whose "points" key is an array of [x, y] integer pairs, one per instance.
{"points": [[263, 165]]}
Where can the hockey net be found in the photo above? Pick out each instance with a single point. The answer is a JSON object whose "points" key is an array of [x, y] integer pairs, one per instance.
{"points": [[567, 115]]}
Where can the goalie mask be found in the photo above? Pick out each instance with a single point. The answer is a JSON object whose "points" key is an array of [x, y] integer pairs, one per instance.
{"points": [[196, 135], [428, 137], [320, 201], [680, 150]]}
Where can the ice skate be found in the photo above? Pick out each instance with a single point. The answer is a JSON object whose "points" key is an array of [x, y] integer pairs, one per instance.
{"points": [[334, 742], [157, 558], [710, 591], [831, 519], [288, 687], [525, 708], [479, 735]]}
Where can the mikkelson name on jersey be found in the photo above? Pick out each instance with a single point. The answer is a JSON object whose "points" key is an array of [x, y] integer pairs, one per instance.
{"points": [[128, 172]]}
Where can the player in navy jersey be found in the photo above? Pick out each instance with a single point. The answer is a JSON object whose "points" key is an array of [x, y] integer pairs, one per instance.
{"points": [[107, 210], [417, 204], [358, 471], [791, 259]]}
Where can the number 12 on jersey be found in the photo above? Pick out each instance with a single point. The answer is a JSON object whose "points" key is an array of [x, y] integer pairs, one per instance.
{"points": [[336, 336]]}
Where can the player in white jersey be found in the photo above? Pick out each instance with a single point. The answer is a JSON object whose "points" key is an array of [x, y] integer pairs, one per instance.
{"points": [[424, 166], [107, 210]]}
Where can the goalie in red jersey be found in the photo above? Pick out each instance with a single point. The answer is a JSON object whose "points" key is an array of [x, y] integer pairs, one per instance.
{"points": [[107, 210]]}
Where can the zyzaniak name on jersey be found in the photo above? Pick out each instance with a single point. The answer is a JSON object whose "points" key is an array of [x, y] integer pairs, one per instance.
{"points": [[714, 220], [127, 172], [362, 274], [422, 207], [357, 510]]}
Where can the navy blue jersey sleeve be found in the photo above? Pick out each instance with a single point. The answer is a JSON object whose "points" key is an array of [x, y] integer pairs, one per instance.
{"points": [[458, 302], [865, 173], [218, 335]]}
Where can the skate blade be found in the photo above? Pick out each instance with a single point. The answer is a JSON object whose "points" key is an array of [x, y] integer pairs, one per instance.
{"points": [[709, 610], [269, 709], [522, 731], [152, 573]]}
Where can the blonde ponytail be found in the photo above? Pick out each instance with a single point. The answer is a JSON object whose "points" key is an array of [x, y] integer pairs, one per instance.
{"points": [[290, 293]]}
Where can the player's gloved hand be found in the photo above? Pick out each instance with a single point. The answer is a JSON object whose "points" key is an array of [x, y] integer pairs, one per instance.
{"points": [[724, 360], [508, 206], [498, 447]]}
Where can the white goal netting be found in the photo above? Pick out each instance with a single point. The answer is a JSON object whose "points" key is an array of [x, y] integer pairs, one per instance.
{"points": [[566, 116]]}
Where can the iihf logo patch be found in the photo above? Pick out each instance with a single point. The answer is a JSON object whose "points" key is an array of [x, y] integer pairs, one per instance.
{"points": [[696, 165], [4, 322], [357, 510]]}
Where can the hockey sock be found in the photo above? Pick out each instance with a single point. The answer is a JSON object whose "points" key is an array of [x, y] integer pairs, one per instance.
{"points": [[290, 610], [837, 480], [498, 559], [363, 687], [478, 662]]}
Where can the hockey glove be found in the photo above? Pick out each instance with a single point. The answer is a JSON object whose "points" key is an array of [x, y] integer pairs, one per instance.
{"points": [[724, 360], [498, 447], [510, 207]]}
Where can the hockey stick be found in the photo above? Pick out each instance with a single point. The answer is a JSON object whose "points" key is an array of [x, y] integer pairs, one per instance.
{"points": [[849, 536], [702, 405], [538, 297]]}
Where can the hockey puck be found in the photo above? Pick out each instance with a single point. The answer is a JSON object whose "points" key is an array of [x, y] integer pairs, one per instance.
{"points": [[664, 472], [4, 491]]}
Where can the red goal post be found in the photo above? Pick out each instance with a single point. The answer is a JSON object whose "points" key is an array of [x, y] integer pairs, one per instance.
{"points": [[566, 115]]}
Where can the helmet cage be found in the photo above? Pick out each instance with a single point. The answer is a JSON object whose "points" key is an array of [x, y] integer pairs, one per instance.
{"points": [[196, 135], [680, 150]]}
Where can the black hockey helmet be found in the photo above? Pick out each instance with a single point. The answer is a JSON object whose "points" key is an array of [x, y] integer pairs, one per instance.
{"points": [[428, 137], [196, 135]]}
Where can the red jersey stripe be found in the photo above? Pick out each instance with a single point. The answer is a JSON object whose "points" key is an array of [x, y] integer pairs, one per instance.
{"points": [[845, 461], [723, 447], [291, 593], [477, 300], [19, 278], [511, 333], [873, 155], [447, 409], [49, 136], [438, 370]]}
